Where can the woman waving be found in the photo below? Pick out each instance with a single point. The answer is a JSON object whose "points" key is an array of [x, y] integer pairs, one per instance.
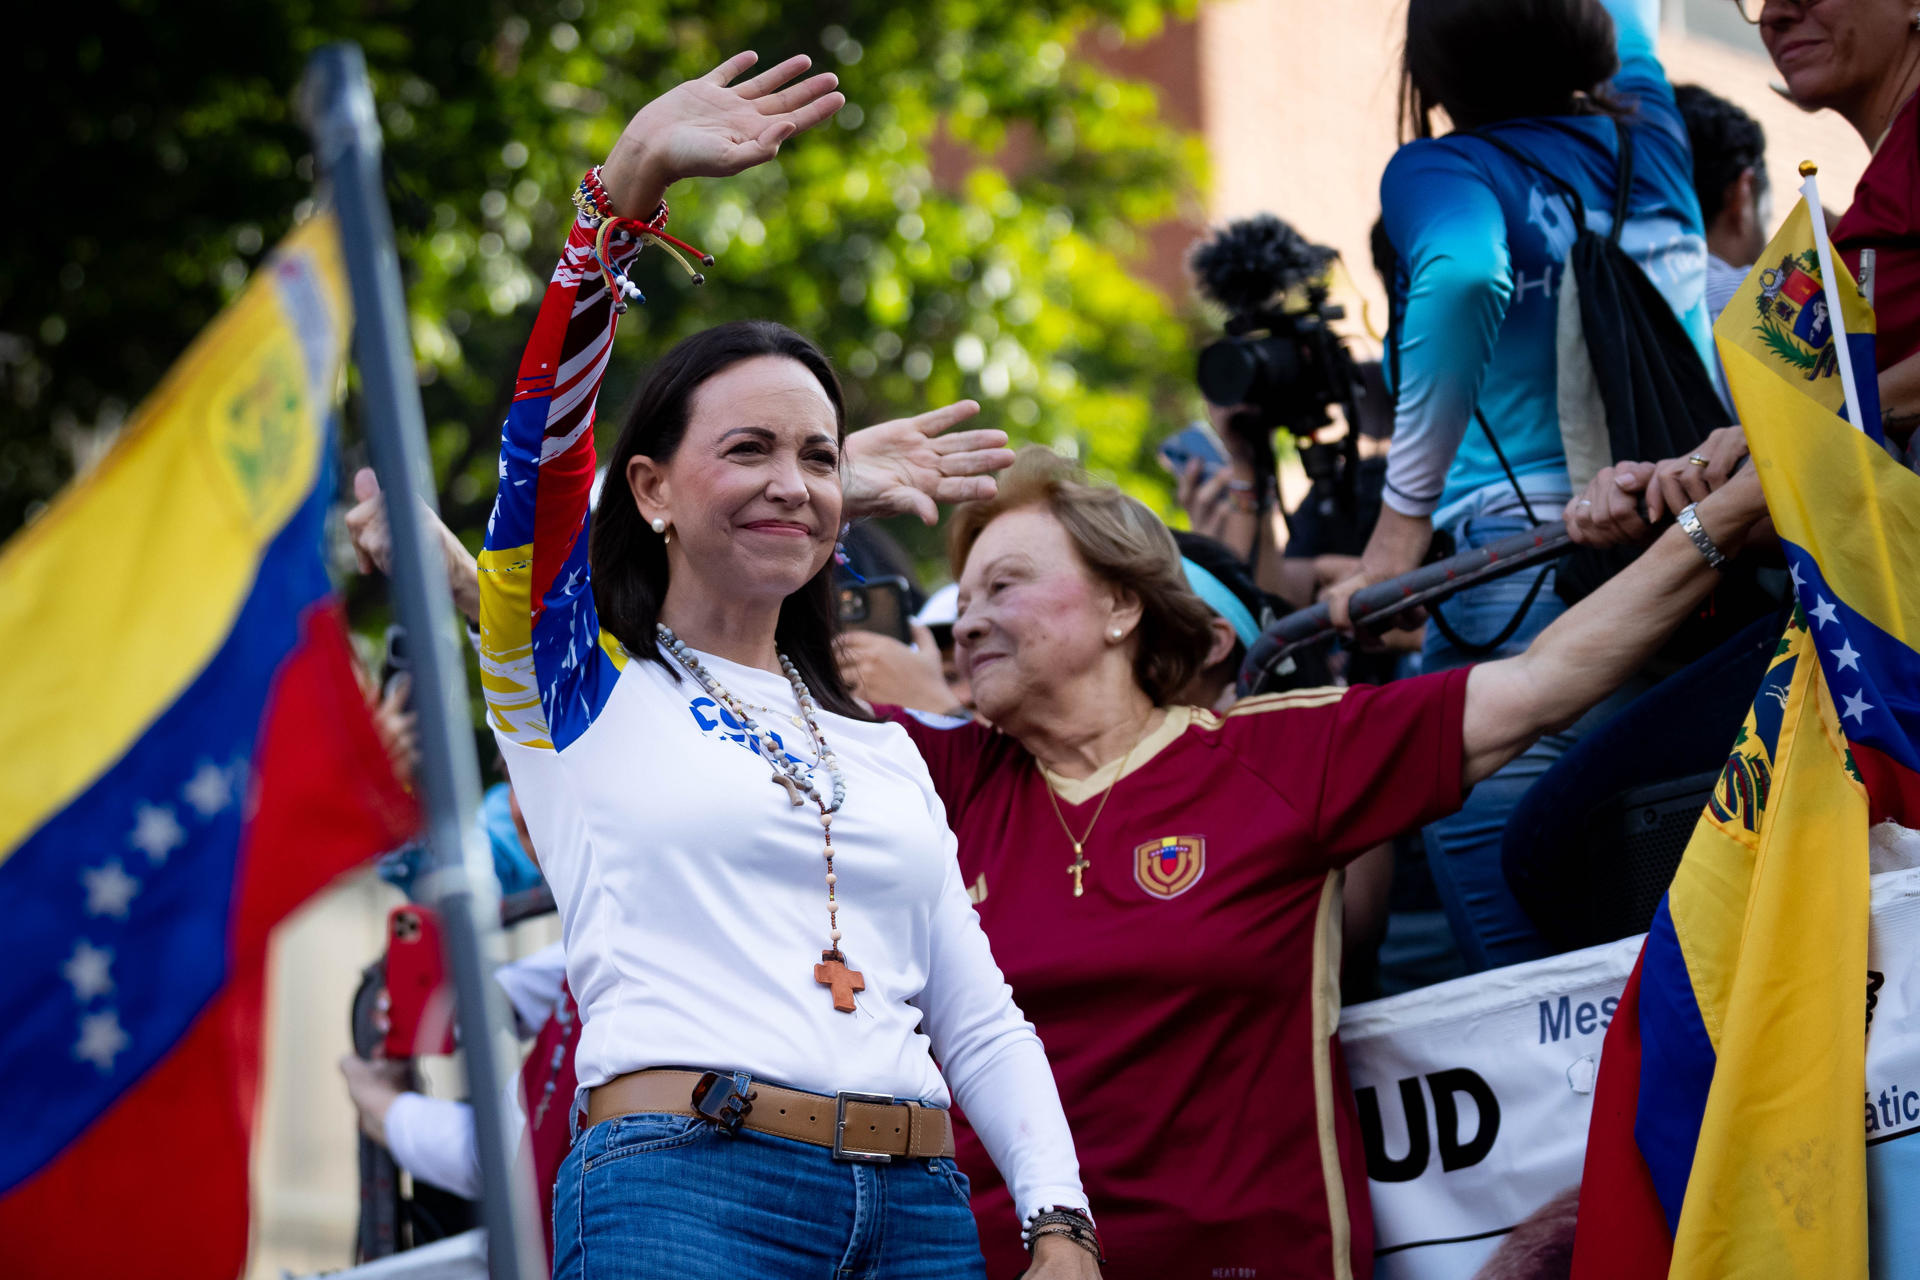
{"points": [[765, 926]]}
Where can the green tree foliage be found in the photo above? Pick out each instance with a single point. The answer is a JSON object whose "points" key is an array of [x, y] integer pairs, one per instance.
{"points": [[963, 229]]}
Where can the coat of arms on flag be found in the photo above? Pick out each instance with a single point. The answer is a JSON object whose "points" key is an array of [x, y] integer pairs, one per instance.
{"points": [[1169, 866], [1793, 320]]}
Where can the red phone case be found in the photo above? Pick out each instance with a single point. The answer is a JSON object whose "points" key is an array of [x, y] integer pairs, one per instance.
{"points": [[420, 998]]}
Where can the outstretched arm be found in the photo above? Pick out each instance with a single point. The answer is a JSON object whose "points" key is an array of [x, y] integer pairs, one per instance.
{"points": [[544, 668], [910, 465], [1593, 647]]}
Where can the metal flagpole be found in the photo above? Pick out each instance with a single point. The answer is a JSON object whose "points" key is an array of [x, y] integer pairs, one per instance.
{"points": [[461, 886]]}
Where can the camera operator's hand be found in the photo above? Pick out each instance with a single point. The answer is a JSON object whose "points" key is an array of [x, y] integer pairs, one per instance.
{"points": [[1607, 513], [1219, 506]]}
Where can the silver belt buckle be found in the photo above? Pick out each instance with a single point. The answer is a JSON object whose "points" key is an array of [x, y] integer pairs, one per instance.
{"points": [[840, 1152]]}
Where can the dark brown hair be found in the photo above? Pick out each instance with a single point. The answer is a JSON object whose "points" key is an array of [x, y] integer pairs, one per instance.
{"points": [[630, 560], [1122, 543], [1483, 61]]}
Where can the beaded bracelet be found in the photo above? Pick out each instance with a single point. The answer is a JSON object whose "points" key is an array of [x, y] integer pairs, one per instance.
{"points": [[596, 206], [1075, 1224]]}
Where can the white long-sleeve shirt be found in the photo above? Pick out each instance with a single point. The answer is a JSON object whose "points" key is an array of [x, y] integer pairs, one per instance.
{"points": [[693, 901]]}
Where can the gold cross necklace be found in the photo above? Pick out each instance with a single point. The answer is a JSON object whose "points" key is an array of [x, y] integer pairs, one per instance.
{"points": [[1079, 865]]}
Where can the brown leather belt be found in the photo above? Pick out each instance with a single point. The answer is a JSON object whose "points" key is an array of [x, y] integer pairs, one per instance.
{"points": [[867, 1127]]}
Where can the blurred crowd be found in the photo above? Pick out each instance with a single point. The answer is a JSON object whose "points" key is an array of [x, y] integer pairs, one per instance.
{"points": [[1183, 874]]}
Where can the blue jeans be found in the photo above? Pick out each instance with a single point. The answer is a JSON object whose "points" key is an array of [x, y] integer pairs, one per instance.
{"points": [[1463, 849], [662, 1197]]}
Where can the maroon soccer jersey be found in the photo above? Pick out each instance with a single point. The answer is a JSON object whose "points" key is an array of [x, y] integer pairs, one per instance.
{"points": [[1188, 1000]]}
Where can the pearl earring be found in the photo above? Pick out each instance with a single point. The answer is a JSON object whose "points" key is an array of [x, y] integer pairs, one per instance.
{"points": [[1116, 635], [659, 524]]}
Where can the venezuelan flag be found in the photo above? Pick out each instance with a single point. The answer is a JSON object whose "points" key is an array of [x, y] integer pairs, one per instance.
{"points": [[188, 757], [1781, 319], [1726, 1137]]}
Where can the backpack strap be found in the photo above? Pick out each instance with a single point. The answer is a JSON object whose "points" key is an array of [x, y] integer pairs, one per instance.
{"points": [[1623, 182]]}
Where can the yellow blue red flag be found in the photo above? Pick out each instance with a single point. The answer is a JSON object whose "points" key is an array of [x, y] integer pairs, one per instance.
{"points": [[188, 757], [1726, 1138], [1783, 316]]}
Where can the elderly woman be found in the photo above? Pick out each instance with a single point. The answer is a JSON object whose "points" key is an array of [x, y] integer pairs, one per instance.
{"points": [[1162, 884], [778, 973]]}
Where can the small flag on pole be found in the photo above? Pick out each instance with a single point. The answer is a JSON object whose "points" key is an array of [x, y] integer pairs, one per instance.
{"points": [[1781, 326]]}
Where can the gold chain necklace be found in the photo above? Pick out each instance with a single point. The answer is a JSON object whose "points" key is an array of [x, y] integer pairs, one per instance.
{"points": [[1080, 864]]}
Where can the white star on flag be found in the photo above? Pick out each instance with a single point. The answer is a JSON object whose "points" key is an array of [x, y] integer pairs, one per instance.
{"points": [[109, 889], [1857, 707], [101, 1040], [1793, 571], [210, 789], [88, 971], [1845, 656], [1823, 611], [156, 832]]}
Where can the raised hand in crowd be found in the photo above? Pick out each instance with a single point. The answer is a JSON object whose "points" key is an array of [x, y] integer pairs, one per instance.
{"points": [[708, 128], [1218, 505], [374, 1084], [880, 669], [373, 542], [1610, 511], [907, 467]]}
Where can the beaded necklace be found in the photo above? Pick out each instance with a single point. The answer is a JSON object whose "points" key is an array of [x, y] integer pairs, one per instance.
{"points": [[832, 971]]}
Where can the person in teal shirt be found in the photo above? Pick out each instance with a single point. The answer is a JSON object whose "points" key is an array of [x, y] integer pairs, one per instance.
{"points": [[1481, 241]]}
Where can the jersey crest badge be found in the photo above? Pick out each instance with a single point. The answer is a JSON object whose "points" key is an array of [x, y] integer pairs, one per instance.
{"points": [[1169, 866]]}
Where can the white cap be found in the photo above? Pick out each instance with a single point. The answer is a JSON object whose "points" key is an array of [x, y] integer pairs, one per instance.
{"points": [[942, 608]]}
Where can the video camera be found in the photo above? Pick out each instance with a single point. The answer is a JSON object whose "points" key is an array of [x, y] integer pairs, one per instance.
{"points": [[1282, 366], [1279, 357]]}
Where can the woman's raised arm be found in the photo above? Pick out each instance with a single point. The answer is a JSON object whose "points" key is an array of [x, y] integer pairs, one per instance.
{"points": [[1592, 649], [544, 669]]}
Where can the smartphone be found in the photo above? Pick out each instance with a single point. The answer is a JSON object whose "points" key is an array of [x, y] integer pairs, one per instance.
{"points": [[1189, 443], [879, 605], [419, 994]]}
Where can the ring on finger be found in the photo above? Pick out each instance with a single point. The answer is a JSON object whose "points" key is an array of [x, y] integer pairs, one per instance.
{"points": [[1697, 460]]}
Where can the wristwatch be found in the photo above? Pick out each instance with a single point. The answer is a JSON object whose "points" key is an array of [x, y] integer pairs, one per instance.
{"points": [[1690, 524]]}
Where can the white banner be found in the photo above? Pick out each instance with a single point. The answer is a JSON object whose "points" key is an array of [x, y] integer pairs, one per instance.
{"points": [[1474, 1096]]}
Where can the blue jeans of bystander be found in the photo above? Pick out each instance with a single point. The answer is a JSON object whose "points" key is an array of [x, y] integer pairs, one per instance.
{"points": [[1463, 849]]}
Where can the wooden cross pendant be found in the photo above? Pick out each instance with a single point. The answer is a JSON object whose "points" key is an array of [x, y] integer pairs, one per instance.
{"points": [[794, 794], [833, 972], [1076, 867]]}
